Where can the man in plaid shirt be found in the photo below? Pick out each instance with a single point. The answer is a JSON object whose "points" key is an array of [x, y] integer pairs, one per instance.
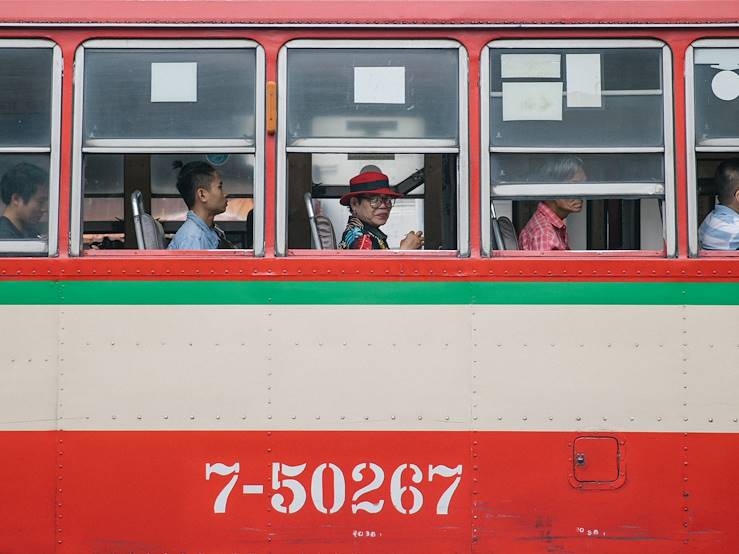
{"points": [[546, 230]]}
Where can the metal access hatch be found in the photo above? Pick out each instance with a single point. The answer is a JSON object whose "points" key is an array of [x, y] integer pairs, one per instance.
{"points": [[597, 462]]}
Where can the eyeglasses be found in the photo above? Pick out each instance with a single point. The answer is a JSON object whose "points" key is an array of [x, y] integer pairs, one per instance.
{"points": [[377, 201]]}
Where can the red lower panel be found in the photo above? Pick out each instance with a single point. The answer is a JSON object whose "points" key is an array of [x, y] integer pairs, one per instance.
{"points": [[28, 477], [147, 492]]}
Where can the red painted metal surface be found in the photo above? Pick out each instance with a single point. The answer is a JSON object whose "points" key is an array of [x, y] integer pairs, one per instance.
{"points": [[445, 12], [31, 478], [147, 492]]}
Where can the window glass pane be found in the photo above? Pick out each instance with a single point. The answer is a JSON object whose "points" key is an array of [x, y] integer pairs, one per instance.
{"points": [[169, 94], [335, 170], [598, 168], [576, 97], [717, 230], [106, 204], [25, 96], [24, 196], [427, 181], [373, 93], [603, 224], [237, 172], [716, 93]]}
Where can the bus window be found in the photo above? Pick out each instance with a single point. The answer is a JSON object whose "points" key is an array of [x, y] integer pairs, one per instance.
{"points": [[106, 206], [149, 107], [580, 155], [713, 138], [392, 108], [30, 91]]}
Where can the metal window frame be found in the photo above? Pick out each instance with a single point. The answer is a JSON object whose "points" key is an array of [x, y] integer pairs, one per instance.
{"points": [[168, 146], [515, 191], [376, 146], [711, 145], [628, 189], [50, 246]]}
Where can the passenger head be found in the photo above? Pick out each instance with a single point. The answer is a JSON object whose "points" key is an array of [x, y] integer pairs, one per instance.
{"points": [[25, 192], [727, 183], [370, 197], [563, 169], [200, 186]]}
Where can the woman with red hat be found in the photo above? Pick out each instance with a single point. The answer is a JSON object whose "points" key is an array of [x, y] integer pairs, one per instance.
{"points": [[370, 200]]}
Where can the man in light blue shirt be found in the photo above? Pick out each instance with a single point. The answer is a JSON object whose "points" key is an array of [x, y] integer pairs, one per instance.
{"points": [[720, 229], [201, 188]]}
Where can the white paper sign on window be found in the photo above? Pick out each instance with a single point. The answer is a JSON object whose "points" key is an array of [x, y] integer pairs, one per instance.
{"points": [[379, 85], [174, 82], [532, 101], [583, 81], [725, 83], [530, 66]]}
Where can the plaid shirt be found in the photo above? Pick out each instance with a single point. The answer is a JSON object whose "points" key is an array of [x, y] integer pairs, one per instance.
{"points": [[544, 231]]}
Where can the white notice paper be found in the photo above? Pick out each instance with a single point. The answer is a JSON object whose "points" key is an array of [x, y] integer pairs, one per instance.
{"points": [[583, 81], [531, 66], [722, 58], [379, 85], [532, 101], [174, 82]]}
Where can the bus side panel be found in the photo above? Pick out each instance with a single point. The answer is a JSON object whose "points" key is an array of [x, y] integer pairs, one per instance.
{"points": [[530, 500], [28, 483], [711, 492], [336, 491], [147, 492]]}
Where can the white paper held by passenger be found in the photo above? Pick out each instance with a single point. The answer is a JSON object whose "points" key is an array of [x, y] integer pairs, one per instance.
{"points": [[174, 82], [532, 101], [379, 85], [530, 66], [583, 81]]}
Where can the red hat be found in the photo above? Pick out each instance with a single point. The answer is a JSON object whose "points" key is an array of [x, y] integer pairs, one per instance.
{"points": [[367, 184]]}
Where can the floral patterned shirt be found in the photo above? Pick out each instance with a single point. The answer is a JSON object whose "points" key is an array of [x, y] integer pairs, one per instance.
{"points": [[360, 236]]}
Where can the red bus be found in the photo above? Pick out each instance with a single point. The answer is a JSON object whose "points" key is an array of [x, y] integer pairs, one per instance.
{"points": [[288, 395]]}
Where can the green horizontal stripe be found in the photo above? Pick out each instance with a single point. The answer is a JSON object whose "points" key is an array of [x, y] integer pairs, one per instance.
{"points": [[365, 293]]}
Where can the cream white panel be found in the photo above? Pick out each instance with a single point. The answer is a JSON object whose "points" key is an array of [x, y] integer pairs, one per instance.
{"points": [[28, 367], [711, 378], [518, 368], [578, 367], [164, 367], [372, 367]]}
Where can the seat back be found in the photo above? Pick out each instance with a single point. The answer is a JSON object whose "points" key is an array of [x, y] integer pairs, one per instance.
{"points": [[504, 233], [149, 232], [315, 236], [326, 233], [508, 234]]}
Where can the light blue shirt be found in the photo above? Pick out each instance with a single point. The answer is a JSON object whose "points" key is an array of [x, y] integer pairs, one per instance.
{"points": [[195, 235], [720, 229]]}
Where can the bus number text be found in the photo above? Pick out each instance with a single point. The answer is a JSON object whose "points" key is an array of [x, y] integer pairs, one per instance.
{"points": [[290, 495]]}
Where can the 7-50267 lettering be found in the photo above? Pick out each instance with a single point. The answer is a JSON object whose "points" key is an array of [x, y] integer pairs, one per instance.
{"points": [[405, 496]]}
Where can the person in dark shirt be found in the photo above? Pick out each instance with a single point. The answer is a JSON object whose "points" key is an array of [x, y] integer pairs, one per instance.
{"points": [[24, 191], [370, 200]]}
